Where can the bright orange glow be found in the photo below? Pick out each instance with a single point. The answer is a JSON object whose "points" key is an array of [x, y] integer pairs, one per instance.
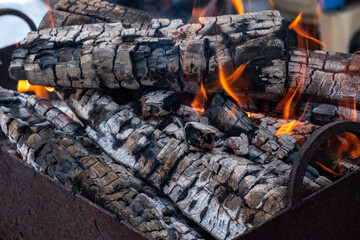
{"points": [[232, 110], [249, 114], [335, 174], [25, 86], [200, 99], [289, 127], [346, 149], [50, 14], [239, 6], [286, 128], [227, 81], [297, 27], [50, 89]]}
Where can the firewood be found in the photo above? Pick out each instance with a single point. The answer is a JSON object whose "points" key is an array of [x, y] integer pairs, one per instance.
{"points": [[167, 54], [327, 77], [221, 192], [79, 12], [159, 103], [75, 161], [199, 136]]}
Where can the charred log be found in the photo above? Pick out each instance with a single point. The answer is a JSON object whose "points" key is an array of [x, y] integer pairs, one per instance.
{"points": [[166, 54], [79, 12], [221, 192], [159, 103], [326, 77], [75, 161]]}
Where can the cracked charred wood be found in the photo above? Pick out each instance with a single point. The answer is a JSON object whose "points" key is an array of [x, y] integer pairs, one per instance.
{"points": [[159, 103], [167, 54], [221, 192], [79, 12], [228, 117], [75, 161], [199, 136], [300, 133], [327, 77]]}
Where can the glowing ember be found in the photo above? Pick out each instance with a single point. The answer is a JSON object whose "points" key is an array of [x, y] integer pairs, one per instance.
{"points": [[232, 111], [341, 150], [239, 6], [199, 100], [25, 86], [249, 114], [286, 129], [297, 27]]}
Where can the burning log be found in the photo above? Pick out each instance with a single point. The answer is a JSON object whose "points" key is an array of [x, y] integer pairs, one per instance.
{"points": [[222, 193], [167, 54], [75, 161], [79, 12], [327, 77]]}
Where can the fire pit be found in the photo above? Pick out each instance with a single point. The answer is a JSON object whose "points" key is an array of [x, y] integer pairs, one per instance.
{"points": [[175, 128]]}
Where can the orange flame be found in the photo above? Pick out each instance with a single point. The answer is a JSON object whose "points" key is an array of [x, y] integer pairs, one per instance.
{"points": [[295, 90], [346, 148], [297, 27], [199, 100], [289, 127], [197, 12], [286, 128], [50, 14], [249, 114], [25, 86], [227, 81], [239, 6]]}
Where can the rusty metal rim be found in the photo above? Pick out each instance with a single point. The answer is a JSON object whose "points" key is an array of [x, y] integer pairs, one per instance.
{"points": [[303, 158]]}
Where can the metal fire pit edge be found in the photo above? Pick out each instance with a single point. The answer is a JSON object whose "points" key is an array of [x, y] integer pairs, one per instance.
{"points": [[35, 206]]}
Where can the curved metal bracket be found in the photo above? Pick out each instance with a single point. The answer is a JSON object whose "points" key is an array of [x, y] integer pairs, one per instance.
{"points": [[303, 158], [9, 11]]}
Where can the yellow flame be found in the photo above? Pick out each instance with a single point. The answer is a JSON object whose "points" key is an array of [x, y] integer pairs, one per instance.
{"points": [[286, 129], [25, 86], [239, 6]]}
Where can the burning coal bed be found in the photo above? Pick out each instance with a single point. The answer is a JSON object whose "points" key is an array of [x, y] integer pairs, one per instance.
{"points": [[176, 128]]}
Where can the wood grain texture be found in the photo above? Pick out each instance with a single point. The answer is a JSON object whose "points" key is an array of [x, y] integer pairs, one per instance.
{"points": [[79, 12], [165, 54], [223, 193], [54, 144]]}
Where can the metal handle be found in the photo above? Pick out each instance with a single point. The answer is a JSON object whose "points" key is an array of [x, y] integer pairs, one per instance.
{"points": [[303, 158], [9, 11]]}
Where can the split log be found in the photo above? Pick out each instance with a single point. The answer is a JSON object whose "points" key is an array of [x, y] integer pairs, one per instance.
{"points": [[75, 161], [221, 192], [327, 77], [79, 12], [167, 54]]}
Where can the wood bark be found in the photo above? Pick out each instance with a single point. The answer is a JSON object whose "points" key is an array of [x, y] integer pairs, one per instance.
{"points": [[223, 193], [79, 12], [53, 143], [167, 54], [326, 77]]}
